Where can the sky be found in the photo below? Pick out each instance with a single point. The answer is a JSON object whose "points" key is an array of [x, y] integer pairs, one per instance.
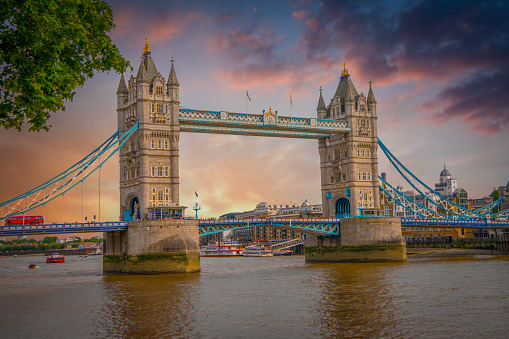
{"points": [[439, 71]]}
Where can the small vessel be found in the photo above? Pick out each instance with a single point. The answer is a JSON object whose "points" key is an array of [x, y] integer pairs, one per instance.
{"points": [[257, 251], [83, 256], [31, 265], [282, 252], [54, 258], [222, 249]]}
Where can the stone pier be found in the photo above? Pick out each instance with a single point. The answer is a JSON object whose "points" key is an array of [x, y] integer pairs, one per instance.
{"points": [[153, 247], [375, 239]]}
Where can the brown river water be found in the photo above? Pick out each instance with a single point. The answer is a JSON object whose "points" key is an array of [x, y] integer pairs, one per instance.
{"points": [[273, 297]]}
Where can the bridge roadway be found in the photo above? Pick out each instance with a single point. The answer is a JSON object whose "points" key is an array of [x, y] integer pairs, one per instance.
{"points": [[330, 227]]}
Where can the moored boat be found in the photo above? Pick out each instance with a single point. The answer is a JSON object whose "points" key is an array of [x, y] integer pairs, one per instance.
{"points": [[282, 252], [222, 249], [257, 251], [55, 258]]}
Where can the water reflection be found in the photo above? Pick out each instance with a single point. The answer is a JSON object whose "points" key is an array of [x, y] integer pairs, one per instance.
{"points": [[142, 306], [355, 301]]}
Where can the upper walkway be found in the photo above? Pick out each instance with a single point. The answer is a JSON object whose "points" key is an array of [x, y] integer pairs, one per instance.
{"points": [[268, 124]]}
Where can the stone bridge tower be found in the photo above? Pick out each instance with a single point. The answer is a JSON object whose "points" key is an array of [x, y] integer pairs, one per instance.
{"points": [[349, 162], [149, 160]]}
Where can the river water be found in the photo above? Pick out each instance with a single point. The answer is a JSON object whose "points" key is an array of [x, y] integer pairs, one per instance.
{"points": [[275, 297]]}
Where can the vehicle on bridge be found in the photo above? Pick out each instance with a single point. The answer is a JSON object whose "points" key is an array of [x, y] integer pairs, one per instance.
{"points": [[24, 220]]}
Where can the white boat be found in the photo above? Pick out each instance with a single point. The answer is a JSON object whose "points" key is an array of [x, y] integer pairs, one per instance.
{"points": [[257, 251], [222, 249]]}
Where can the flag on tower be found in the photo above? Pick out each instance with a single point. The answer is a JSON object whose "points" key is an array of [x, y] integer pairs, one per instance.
{"points": [[248, 95], [195, 193], [290, 99]]}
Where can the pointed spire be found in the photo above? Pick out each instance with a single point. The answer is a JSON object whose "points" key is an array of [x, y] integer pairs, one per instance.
{"points": [[172, 78], [142, 73], [321, 102], [147, 47], [122, 87], [371, 96], [349, 96]]}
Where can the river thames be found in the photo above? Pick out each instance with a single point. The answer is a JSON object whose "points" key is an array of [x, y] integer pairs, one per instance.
{"points": [[274, 297]]}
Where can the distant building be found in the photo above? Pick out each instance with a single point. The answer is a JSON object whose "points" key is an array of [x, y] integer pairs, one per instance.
{"points": [[447, 185], [275, 209]]}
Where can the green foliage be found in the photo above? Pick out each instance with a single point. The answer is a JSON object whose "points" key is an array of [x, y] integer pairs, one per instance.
{"points": [[47, 49], [496, 196], [48, 240]]}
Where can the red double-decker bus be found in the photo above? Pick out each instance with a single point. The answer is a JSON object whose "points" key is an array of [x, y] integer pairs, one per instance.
{"points": [[24, 220]]}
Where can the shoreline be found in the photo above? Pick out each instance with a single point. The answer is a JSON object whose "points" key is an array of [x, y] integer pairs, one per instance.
{"points": [[439, 252]]}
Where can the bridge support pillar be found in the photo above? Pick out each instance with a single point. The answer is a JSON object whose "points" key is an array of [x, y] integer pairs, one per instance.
{"points": [[153, 247], [376, 239]]}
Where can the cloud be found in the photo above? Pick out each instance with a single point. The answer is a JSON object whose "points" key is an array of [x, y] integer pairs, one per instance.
{"points": [[446, 42], [479, 99], [159, 26], [298, 15]]}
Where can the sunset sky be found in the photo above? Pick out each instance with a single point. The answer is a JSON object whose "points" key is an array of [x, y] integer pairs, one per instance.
{"points": [[440, 72]]}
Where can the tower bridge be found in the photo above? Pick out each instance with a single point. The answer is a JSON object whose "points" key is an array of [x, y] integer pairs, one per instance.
{"points": [[150, 119]]}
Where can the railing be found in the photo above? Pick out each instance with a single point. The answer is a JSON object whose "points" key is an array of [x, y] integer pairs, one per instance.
{"points": [[255, 124], [63, 228], [287, 244]]}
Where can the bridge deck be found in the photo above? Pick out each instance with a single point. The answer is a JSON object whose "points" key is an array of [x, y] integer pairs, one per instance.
{"points": [[330, 227]]}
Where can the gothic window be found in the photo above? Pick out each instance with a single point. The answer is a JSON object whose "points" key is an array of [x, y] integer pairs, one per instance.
{"points": [[153, 108], [159, 108], [166, 190], [159, 90], [346, 154], [344, 176], [166, 171], [153, 171], [152, 143], [166, 144], [160, 196], [332, 179], [342, 108], [159, 144], [368, 175], [153, 191], [159, 171], [165, 108], [338, 177], [336, 154]]}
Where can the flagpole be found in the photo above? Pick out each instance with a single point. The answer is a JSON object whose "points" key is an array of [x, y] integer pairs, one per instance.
{"points": [[291, 115]]}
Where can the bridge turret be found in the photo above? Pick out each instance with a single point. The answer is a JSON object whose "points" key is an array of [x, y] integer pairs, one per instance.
{"points": [[122, 97], [349, 162], [321, 109], [149, 162], [371, 101]]}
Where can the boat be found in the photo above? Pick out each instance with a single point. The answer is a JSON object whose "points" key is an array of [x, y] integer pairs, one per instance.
{"points": [[222, 249], [257, 251], [54, 258], [31, 266], [282, 252], [83, 256]]}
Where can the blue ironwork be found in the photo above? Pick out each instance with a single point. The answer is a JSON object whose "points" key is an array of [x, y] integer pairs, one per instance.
{"points": [[86, 227], [342, 208], [313, 226], [68, 179], [221, 122], [443, 203], [463, 223]]}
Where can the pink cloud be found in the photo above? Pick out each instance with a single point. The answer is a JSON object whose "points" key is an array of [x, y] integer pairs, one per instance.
{"points": [[299, 14]]}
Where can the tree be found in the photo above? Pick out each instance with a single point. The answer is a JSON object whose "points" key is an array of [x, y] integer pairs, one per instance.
{"points": [[48, 240], [47, 49]]}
